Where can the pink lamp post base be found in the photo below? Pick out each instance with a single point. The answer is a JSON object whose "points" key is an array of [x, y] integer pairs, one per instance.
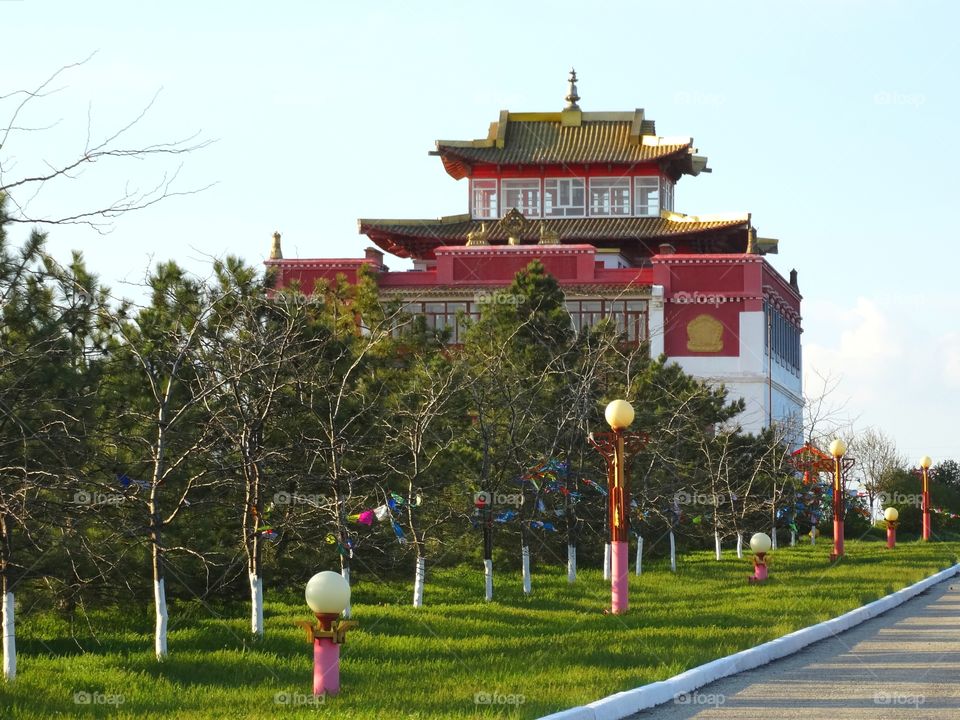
{"points": [[891, 536], [327, 635], [619, 572], [759, 569], [326, 667]]}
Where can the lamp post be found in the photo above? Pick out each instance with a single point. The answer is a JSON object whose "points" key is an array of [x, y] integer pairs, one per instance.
{"points": [[328, 595], [760, 543], [837, 449], [613, 446], [925, 463], [891, 515]]}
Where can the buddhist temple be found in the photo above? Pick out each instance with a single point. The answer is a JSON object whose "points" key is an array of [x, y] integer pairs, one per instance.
{"points": [[593, 196]]}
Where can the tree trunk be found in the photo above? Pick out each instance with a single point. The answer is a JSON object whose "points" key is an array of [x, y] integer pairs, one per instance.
{"points": [[488, 552], [673, 552], [606, 560], [159, 597], [9, 620], [716, 543], [793, 538], [345, 573], [571, 563], [739, 545], [418, 579], [488, 579], [773, 538], [256, 605], [638, 564], [525, 556], [252, 537]]}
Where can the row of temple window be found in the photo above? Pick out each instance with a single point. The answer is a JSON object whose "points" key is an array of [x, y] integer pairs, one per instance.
{"points": [[784, 337], [629, 317], [643, 196]]}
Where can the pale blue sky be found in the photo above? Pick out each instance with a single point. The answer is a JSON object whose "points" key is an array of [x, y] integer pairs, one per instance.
{"points": [[833, 122]]}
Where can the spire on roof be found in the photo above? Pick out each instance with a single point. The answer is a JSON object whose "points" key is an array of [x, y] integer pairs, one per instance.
{"points": [[572, 96], [275, 253]]}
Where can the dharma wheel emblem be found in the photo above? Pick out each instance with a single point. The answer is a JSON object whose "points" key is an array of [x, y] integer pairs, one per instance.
{"points": [[514, 224]]}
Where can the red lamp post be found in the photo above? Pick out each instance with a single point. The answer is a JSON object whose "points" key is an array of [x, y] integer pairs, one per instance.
{"points": [[837, 449], [613, 446], [891, 515], [925, 463]]}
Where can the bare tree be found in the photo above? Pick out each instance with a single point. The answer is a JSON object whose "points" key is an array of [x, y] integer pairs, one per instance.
{"points": [[877, 458], [24, 180]]}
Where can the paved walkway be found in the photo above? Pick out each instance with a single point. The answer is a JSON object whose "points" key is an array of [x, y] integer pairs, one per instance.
{"points": [[902, 664]]}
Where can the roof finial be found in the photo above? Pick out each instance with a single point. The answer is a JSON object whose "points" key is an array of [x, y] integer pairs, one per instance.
{"points": [[275, 253], [572, 96]]}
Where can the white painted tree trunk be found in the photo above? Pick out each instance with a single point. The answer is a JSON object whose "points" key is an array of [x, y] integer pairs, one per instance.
{"points": [[813, 536], [638, 564], [256, 605], [488, 579], [606, 561], [418, 582], [773, 539], [673, 553], [739, 546], [571, 563], [160, 602], [525, 552], [345, 573], [716, 543], [9, 639], [793, 538]]}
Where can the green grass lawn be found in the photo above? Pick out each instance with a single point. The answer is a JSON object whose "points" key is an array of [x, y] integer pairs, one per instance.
{"points": [[556, 649]]}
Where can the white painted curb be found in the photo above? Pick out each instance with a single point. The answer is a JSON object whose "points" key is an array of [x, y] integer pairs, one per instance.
{"points": [[628, 702]]}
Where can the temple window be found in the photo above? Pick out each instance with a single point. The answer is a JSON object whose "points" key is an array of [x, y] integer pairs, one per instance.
{"points": [[484, 198], [667, 202], [629, 317], [564, 197], [647, 194], [610, 196], [524, 195]]}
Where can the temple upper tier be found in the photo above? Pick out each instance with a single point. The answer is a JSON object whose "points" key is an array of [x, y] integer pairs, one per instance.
{"points": [[603, 178]]}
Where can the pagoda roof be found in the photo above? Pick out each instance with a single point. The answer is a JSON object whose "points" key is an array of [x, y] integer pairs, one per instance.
{"points": [[572, 137], [419, 238]]}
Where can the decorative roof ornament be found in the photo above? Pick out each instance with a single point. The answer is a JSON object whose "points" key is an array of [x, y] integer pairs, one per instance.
{"points": [[275, 253], [548, 236], [752, 248], [513, 224], [572, 96], [476, 238]]}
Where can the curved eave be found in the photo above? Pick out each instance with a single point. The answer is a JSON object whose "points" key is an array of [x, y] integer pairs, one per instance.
{"points": [[419, 238], [676, 160]]}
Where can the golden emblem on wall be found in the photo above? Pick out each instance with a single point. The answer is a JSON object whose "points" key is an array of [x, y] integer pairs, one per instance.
{"points": [[704, 334], [514, 224]]}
